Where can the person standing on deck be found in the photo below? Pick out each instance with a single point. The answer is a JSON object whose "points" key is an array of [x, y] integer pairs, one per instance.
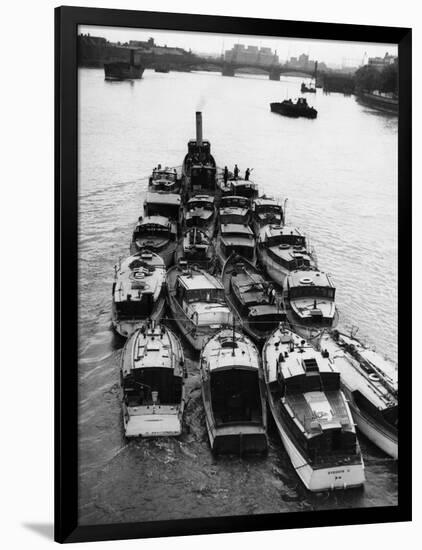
{"points": [[247, 174], [236, 172], [226, 174]]}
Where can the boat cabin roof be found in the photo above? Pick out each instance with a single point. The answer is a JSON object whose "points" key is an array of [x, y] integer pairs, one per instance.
{"points": [[235, 229], [309, 278], [239, 182], [269, 231], [223, 354], [234, 200], [154, 220], [201, 198], [162, 198], [266, 202], [197, 280]]}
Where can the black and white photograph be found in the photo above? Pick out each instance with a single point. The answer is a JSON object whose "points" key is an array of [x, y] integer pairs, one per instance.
{"points": [[237, 275]]}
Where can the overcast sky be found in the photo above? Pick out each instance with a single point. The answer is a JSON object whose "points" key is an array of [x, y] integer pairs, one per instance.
{"points": [[330, 51]]}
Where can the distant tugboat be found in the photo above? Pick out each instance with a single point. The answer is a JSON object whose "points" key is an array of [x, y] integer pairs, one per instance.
{"points": [[121, 70], [294, 110], [138, 292], [307, 89], [311, 413], [233, 393], [152, 380]]}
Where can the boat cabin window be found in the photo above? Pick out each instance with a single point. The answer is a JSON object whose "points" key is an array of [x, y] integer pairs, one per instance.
{"points": [[292, 240], [205, 295], [235, 397], [312, 292], [200, 204], [150, 229], [162, 209], [268, 209]]}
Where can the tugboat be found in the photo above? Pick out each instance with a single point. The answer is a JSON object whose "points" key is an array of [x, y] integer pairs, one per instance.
{"points": [[121, 70], [371, 392], [309, 301], [166, 180], [138, 292], [199, 167], [197, 303], [200, 212], [162, 68], [307, 89], [311, 413], [294, 110], [196, 247], [155, 233], [254, 301], [233, 393], [152, 376], [238, 239], [163, 204], [266, 211], [282, 249], [234, 209]]}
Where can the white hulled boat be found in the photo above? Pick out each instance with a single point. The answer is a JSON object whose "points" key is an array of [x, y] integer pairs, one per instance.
{"points": [[311, 413], [282, 249], [233, 393], [152, 380], [197, 302], [165, 180], [155, 233], [138, 291], [369, 389]]}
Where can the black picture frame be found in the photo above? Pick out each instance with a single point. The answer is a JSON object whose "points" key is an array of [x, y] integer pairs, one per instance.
{"points": [[67, 20]]}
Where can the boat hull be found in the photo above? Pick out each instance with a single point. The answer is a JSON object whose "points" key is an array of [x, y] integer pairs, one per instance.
{"points": [[274, 270], [318, 479], [152, 425]]}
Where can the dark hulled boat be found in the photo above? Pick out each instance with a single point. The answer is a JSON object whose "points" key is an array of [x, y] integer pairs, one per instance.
{"points": [[199, 167], [311, 413], [152, 381], [294, 110], [138, 291], [307, 89], [233, 393], [255, 302], [122, 70]]}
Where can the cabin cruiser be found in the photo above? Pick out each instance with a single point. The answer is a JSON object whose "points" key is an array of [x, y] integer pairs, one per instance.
{"points": [[266, 211], [233, 393], [166, 180], [239, 187], [254, 301], [199, 167], [138, 291], [282, 249], [309, 301], [196, 248], [234, 209], [197, 303], [369, 383], [200, 212], [155, 233], [152, 380], [311, 413], [163, 204], [238, 239]]}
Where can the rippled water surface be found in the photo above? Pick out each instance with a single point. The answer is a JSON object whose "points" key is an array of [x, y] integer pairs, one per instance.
{"points": [[339, 173]]}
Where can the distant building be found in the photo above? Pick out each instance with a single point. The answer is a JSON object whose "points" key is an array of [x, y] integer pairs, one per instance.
{"points": [[381, 62], [145, 44], [251, 55], [303, 62]]}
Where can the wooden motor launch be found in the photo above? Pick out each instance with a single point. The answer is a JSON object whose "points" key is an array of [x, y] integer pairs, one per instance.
{"points": [[233, 393], [152, 382], [311, 413]]}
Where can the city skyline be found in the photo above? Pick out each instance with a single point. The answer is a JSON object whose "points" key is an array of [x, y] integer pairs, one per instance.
{"points": [[334, 53]]}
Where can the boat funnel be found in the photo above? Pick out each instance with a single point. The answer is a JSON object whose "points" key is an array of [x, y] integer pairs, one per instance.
{"points": [[198, 128]]}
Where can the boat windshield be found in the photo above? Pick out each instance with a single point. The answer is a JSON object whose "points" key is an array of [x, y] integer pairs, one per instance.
{"points": [[200, 204], [292, 240], [163, 175], [205, 295], [312, 292], [240, 202], [268, 208], [152, 229]]}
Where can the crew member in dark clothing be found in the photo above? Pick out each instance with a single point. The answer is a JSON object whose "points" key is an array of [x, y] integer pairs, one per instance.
{"points": [[247, 174], [236, 171], [226, 174]]}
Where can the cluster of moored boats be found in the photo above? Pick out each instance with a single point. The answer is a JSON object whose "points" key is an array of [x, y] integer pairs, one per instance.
{"points": [[244, 289]]}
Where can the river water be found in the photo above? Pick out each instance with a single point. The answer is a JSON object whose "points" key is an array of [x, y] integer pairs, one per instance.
{"points": [[339, 173]]}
